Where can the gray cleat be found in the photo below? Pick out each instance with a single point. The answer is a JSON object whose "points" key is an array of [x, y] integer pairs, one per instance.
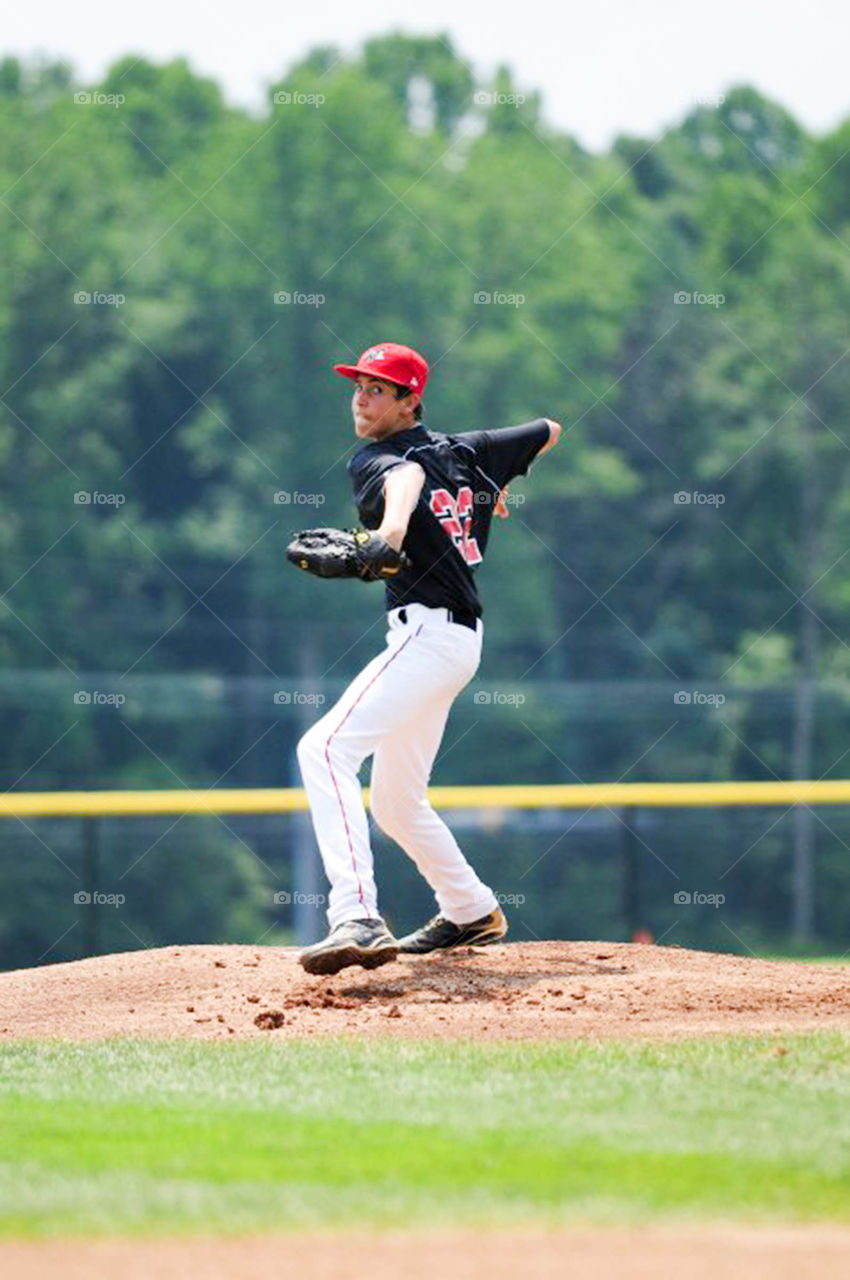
{"points": [[365, 942]]}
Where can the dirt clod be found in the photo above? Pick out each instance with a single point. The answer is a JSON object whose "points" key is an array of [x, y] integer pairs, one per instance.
{"points": [[270, 1020]]}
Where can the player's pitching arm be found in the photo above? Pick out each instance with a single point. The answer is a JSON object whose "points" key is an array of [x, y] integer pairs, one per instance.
{"points": [[555, 430], [402, 488]]}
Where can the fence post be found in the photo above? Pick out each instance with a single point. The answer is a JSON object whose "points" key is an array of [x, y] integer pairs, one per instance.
{"points": [[91, 877], [308, 919], [630, 870], [307, 872]]}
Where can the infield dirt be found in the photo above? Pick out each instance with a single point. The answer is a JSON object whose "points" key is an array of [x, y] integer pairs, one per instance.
{"points": [[511, 991], [687, 1253]]}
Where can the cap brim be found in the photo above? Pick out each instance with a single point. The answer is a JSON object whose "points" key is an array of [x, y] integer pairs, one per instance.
{"points": [[353, 371]]}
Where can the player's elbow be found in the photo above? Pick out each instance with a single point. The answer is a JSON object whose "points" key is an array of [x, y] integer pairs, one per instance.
{"points": [[404, 482]]}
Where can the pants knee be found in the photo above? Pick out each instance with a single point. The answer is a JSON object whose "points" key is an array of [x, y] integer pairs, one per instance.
{"points": [[385, 813], [311, 746], [394, 818]]}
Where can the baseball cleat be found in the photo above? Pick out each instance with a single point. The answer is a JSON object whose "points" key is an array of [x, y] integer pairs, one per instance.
{"points": [[365, 942], [440, 934]]}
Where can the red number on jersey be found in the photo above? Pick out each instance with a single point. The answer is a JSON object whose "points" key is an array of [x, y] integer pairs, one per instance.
{"points": [[455, 515]]}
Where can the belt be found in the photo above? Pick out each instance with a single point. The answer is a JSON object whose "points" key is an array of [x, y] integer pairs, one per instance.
{"points": [[463, 617]]}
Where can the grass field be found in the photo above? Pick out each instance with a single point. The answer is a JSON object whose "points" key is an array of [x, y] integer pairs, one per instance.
{"points": [[148, 1137]]}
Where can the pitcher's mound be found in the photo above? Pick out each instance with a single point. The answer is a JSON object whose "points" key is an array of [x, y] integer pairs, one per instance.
{"points": [[512, 991]]}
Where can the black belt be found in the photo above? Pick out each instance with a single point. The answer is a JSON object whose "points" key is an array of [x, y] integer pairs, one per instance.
{"points": [[463, 617]]}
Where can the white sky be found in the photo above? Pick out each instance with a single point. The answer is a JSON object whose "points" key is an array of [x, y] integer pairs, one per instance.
{"points": [[603, 66]]}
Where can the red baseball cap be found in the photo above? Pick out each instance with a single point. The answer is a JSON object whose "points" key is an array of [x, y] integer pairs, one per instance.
{"points": [[393, 363]]}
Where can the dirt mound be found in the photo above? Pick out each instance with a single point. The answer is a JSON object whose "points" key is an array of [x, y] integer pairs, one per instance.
{"points": [[514, 991]]}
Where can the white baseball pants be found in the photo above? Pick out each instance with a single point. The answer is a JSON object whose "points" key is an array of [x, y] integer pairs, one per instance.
{"points": [[396, 709]]}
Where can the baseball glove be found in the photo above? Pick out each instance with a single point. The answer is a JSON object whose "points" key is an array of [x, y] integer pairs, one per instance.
{"points": [[345, 553]]}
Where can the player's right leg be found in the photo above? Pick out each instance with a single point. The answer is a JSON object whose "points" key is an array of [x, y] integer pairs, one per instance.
{"points": [[396, 687], [401, 771], [468, 911]]}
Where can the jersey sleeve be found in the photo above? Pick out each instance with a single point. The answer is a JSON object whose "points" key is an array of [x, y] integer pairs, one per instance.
{"points": [[506, 452], [367, 470]]}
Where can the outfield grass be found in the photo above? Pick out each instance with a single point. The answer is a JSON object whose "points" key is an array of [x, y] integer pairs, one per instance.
{"points": [[146, 1136], [798, 958]]}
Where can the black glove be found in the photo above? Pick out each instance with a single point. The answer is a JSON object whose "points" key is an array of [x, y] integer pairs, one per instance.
{"points": [[346, 553]]}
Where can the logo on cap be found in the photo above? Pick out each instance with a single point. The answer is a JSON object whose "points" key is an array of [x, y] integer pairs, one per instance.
{"points": [[375, 353]]}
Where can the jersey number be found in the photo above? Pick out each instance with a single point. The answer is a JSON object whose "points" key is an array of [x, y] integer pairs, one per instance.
{"points": [[455, 515]]}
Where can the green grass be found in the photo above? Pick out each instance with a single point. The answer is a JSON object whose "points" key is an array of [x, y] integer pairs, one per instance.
{"points": [[145, 1136]]}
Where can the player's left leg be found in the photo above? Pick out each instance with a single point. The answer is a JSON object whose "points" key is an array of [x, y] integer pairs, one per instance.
{"points": [[421, 668], [401, 770]]}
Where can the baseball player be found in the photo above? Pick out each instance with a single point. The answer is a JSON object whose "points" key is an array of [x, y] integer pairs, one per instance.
{"points": [[430, 499]]}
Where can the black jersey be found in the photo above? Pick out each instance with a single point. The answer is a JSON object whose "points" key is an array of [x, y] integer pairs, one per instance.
{"points": [[450, 524]]}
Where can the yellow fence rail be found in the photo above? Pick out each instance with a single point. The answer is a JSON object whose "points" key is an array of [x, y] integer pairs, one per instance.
{"points": [[638, 795]]}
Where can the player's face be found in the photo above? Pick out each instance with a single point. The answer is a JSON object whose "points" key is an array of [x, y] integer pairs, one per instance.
{"points": [[376, 409]]}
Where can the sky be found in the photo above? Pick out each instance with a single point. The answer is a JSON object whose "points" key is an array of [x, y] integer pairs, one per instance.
{"points": [[603, 66]]}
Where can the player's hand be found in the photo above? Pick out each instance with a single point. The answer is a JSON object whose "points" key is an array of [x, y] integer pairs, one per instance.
{"points": [[555, 430], [500, 508]]}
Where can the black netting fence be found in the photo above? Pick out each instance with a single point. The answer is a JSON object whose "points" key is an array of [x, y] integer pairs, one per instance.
{"points": [[707, 878]]}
